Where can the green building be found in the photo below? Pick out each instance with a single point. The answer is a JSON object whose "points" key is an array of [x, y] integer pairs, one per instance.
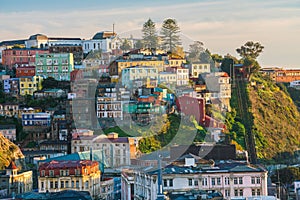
{"points": [[56, 65]]}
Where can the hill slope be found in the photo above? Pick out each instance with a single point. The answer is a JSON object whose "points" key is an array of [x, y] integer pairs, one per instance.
{"points": [[275, 117], [8, 151]]}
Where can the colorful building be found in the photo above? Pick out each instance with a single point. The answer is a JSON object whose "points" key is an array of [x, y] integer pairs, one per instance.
{"points": [[15, 57], [11, 86], [57, 176], [36, 119], [116, 149], [9, 131], [9, 109], [142, 73], [28, 85], [14, 181], [27, 71], [56, 65], [198, 68]]}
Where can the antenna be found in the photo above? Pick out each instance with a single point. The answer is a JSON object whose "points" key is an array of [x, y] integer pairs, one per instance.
{"points": [[113, 28]]}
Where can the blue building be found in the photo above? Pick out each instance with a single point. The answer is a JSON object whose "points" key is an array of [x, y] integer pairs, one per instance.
{"points": [[11, 86], [36, 119]]}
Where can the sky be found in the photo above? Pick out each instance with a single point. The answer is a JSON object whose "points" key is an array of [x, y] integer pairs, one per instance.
{"points": [[222, 25]]}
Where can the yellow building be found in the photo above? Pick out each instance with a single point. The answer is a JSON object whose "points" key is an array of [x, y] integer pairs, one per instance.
{"points": [[117, 67], [14, 181], [28, 85], [79, 175], [176, 62]]}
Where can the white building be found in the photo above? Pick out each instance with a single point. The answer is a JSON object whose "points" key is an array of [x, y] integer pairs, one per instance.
{"points": [[115, 148], [106, 41], [167, 78], [199, 68], [8, 131], [231, 178], [132, 74], [295, 84], [182, 76]]}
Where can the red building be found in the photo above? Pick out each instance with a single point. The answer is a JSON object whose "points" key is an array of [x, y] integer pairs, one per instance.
{"points": [[74, 167], [76, 75], [25, 71], [281, 74], [192, 107], [13, 57]]}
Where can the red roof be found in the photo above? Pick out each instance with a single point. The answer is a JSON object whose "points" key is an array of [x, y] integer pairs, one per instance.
{"points": [[67, 164], [12, 165]]}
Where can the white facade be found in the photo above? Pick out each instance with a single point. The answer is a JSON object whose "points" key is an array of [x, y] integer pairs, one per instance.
{"points": [[182, 76], [116, 150], [241, 181], [131, 74], [167, 78], [295, 84], [9, 132], [218, 82], [199, 68]]}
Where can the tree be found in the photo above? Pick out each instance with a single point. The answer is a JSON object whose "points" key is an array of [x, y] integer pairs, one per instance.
{"points": [[169, 32], [205, 56], [126, 45], [195, 50], [217, 58], [150, 38], [227, 64], [49, 83], [251, 63], [250, 49], [139, 44]]}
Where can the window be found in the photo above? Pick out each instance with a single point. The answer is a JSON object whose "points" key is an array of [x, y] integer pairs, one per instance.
{"points": [[67, 184], [258, 192], [51, 184], [235, 181], [218, 181], [77, 171], [165, 183], [62, 184], [226, 180], [204, 181], [213, 181], [77, 184], [42, 185], [190, 182], [236, 193], [86, 185], [252, 180], [171, 182], [258, 180], [227, 193], [241, 192], [72, 184], [43, 173], [253, 192], [240, 180], [196, 182], [56, 184], [67, 172], [62, 172], [51, 173]]}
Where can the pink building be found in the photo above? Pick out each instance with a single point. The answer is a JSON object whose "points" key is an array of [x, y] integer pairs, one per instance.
{"points": [[13, 57]]}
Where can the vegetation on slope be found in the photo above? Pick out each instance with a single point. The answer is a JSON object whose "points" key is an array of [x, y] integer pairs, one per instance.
{"points": [[276, 126], [8, 151]]}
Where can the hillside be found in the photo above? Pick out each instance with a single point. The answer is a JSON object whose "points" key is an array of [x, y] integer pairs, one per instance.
{"points": [[275, 118], [8, 150]]}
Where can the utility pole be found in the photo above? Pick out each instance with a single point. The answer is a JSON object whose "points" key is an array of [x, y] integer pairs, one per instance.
{"points": [[160, 195]]}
